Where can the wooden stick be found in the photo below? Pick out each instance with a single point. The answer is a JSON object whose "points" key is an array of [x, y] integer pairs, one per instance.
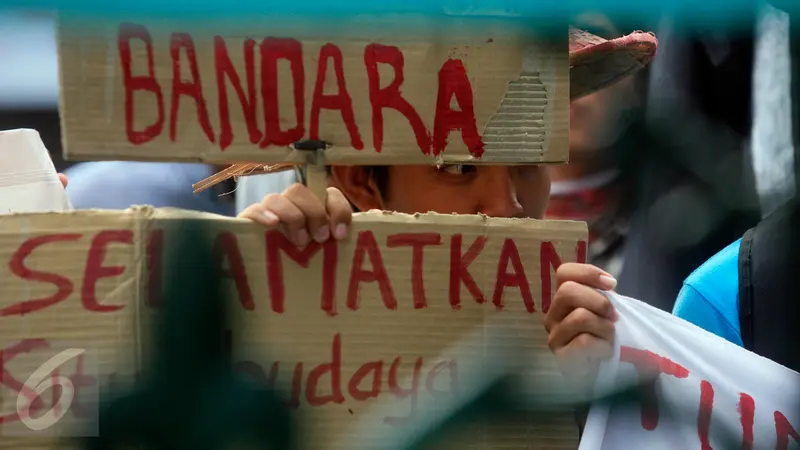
{"points": [[317, 181], [217, 178], [238, 170]]}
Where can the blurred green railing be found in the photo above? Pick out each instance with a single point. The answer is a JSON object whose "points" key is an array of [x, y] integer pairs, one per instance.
{"points": [[193, 318], [692, 13]]}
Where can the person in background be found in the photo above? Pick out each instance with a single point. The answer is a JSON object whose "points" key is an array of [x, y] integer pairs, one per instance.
{"points": [[745, 293], [687, 158], [122, 184], [592, 187], [742, 293], [709, 295]]}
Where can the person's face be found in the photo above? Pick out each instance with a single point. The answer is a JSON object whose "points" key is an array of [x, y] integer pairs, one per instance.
{"points": [[497, 191], [598, 120]]}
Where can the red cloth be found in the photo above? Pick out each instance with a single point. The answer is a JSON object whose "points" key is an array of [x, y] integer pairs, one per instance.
{"points": [[587, 205]]}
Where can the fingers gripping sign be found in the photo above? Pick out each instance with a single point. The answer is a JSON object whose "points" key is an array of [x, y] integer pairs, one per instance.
{"points": [[310, 211], [302, 215], [580, 322]]}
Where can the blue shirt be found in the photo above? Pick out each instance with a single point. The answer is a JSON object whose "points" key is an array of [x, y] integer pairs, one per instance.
{"points": [[710, 295], [121, 184]]}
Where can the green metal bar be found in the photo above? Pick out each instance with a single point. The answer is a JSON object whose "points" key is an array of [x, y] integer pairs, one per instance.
{"points": [[189, 398]]}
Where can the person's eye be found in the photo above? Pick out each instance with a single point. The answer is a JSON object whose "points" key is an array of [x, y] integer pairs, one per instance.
{"points": [[456, 169]]}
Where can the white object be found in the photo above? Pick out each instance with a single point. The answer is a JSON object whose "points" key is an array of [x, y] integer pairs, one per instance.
{"points": [[744, 396], [28, 179], [772, 149]]}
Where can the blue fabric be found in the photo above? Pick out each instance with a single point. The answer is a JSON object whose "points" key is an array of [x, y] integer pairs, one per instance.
{"points": [[121, 184], [710, 295]]}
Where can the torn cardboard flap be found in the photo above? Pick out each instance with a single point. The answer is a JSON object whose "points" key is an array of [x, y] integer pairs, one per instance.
{"points": [[389, 90], [345, 329]]}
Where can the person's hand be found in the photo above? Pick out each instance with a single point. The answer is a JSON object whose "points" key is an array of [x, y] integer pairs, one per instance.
{"points": [[580, 322], [303, 215], [63, 179]]}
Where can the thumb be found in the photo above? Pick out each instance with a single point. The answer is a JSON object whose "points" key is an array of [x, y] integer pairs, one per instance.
{"points": [[585, 274]]}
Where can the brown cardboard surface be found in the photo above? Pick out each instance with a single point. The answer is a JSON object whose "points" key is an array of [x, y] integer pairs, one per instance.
{"points": [[183, 105], [360, 315], [44, 260]]}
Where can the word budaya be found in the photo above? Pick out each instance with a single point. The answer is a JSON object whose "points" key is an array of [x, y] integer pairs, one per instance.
{"points": [[257, 94], [313, 385], [326, 384], [364, 266]]}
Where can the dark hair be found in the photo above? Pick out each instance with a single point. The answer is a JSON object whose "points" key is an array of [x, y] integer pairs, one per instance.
{"points": [[379, 173], [381, 176]]}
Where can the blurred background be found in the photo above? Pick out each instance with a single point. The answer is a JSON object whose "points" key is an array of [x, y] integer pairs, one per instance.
{"points": [[29, 76]]}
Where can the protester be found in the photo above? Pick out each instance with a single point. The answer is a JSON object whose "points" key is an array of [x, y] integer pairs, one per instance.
{"points": [[741, 294], [688, 157], [584, 123], [593, 187], [500, 191], [709, 295]]}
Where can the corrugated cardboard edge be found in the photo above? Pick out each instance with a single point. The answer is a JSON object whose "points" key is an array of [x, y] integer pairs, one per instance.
{"points": [[556, 118], [147, 215], [141, 325]]}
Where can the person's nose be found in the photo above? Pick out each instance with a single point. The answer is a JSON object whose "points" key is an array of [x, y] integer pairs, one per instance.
{"points": [[498, 194]]}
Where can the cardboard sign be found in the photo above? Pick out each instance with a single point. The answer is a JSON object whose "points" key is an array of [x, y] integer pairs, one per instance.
{"points": [[345, 329], [377, 90], [697, 389]]}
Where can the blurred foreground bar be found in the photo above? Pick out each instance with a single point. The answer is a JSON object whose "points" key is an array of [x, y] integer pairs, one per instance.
{"points": [[693, 13]]}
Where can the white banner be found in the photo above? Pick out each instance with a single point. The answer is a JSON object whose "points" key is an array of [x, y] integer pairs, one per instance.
{"points": [[700, 391]]}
